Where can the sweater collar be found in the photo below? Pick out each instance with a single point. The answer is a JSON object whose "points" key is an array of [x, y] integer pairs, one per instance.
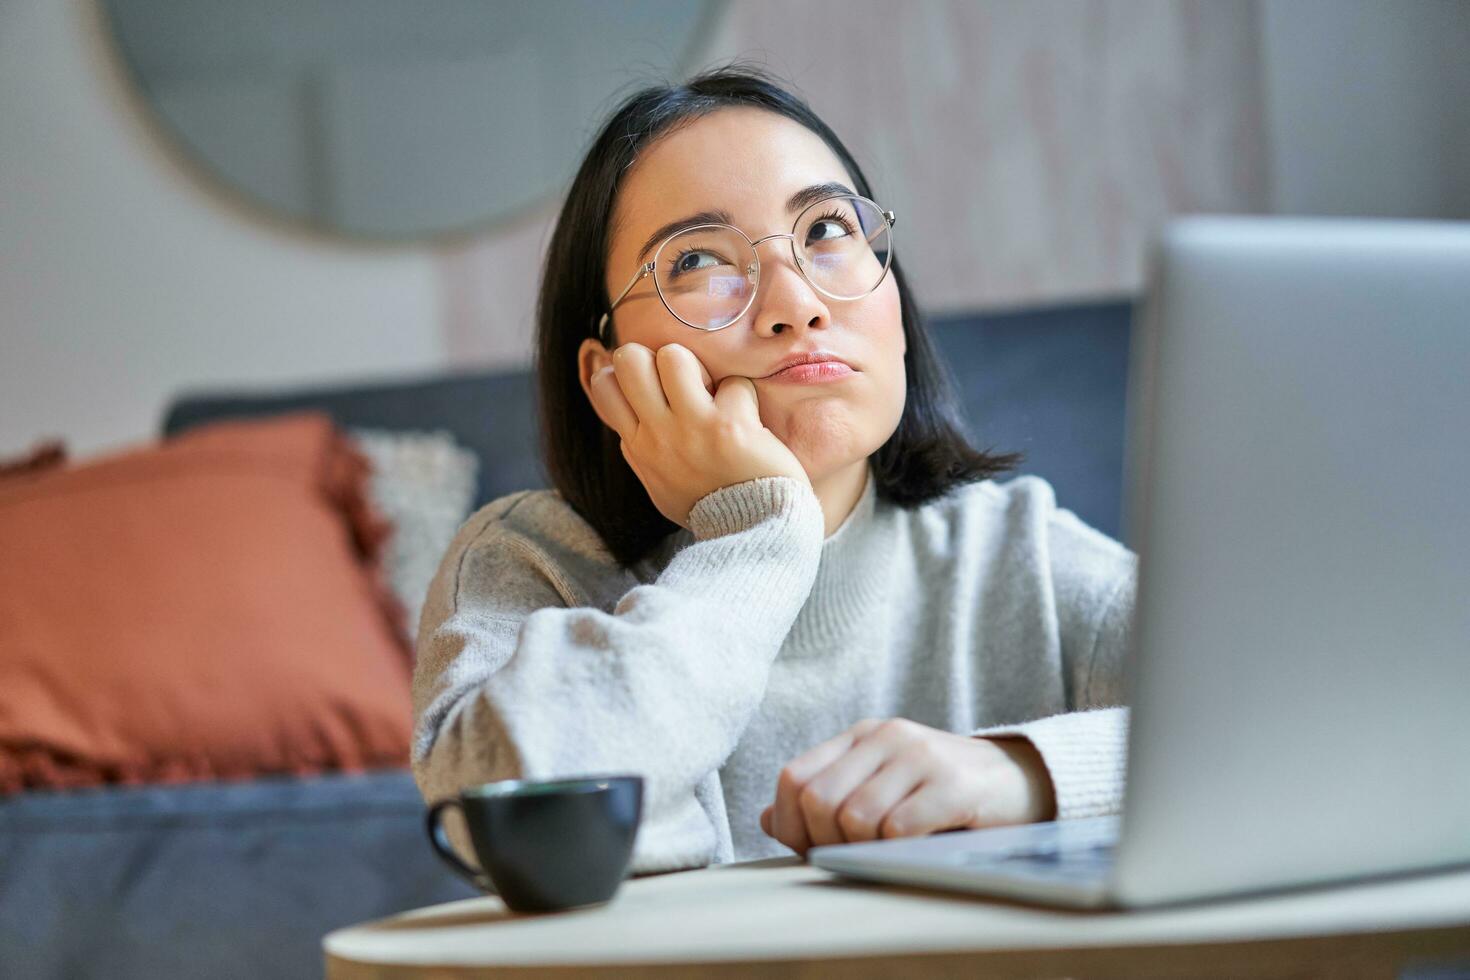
{"points": [[855, 562]]}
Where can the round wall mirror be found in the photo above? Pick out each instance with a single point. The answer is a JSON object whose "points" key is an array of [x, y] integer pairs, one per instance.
{"points": [[397, 118]]}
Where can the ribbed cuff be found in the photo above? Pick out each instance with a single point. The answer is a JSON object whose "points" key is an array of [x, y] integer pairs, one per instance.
{"points": [[758, 546], [743, 505], [1086, 754]]}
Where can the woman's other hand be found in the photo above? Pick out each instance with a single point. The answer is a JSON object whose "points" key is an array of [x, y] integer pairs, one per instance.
{"points": [[898, 778], [682, 435]]}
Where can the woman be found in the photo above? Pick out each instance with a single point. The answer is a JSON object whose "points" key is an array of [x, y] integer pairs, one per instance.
{"points": [[794, 600]]}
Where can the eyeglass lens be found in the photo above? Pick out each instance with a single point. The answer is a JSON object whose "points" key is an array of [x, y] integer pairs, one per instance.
{"points": [[708, 275]]}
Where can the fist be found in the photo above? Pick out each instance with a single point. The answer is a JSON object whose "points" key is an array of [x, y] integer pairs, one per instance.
{"points": [[898, 778], [682, 434]]}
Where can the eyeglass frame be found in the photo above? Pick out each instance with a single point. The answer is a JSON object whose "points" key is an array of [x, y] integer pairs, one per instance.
{"points": [[650, 267]]}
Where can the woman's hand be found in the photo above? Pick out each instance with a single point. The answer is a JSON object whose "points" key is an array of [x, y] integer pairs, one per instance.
{"points": [[898, 778], [681, 441]]}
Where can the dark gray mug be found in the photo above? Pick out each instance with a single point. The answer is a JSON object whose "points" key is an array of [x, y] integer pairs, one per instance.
{"points": [[545, 845]]}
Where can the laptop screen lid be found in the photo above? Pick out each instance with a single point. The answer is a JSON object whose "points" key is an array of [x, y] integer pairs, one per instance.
{"points": [[1299, 493]]}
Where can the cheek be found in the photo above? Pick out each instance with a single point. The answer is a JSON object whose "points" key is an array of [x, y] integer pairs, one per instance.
{"points": [[889, 347], [891, 313], [882, 323], [652, 330]]}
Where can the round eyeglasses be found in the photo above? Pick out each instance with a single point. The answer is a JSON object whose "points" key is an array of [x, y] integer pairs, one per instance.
{"points": [[707, 275]]}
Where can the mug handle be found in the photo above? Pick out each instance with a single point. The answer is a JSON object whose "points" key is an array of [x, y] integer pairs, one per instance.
{"points": [[440, 839]]}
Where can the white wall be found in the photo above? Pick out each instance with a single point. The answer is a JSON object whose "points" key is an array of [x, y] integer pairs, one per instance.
{"points": [[123, 279], [1368, 106]]}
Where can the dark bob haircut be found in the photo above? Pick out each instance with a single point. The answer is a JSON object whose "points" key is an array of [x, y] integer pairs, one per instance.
{"points": [[925, 457]]}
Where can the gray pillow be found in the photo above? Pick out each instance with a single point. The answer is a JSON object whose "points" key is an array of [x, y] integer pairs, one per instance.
{"points": [[424, 482]]}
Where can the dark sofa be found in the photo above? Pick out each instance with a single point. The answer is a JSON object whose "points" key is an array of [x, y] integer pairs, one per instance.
{"points": [[243, 879]]}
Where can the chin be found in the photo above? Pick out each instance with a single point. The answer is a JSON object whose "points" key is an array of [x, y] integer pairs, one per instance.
{"points": [[822, 459]]}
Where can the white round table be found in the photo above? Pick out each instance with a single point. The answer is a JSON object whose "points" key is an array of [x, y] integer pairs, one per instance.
{"points": [[781, 917]]}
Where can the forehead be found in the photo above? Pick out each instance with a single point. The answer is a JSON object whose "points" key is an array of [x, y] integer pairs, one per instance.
{"points": [[746, 160]]}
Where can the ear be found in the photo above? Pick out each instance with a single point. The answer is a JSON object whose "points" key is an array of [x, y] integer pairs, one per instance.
{"points": [[591, 357]]}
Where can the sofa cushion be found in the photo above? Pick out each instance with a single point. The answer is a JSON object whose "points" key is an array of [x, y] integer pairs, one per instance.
{"points": [[424, 484], [208, 608]]}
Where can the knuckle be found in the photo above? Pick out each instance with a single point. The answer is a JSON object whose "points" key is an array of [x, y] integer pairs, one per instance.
{"points": [[788, 782], [892, 826], [868, 728], [813, 803], [728, 430], [897, 729], [855, 822]]}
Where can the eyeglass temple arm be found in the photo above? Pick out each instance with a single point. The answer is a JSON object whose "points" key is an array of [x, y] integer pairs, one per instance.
{"points": [[888, 216], [643, 270]]}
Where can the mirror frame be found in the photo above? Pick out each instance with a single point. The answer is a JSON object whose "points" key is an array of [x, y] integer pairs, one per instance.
{"points": [[219, 188]]}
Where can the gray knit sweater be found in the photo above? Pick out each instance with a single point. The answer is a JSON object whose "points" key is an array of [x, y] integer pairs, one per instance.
{"points": [[748, 638]]}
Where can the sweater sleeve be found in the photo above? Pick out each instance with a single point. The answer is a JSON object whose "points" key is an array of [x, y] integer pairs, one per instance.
{"points": [[1085, 749], [510, 683]]}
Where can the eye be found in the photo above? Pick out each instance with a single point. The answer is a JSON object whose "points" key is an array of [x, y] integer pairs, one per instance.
{"points": [[829, 226], [692, 260]]}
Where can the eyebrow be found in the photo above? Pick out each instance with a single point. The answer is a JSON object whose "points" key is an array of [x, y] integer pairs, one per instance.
{"points": [[801, 199]]}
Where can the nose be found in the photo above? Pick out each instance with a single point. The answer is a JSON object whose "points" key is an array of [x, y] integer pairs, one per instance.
{"points": [[784, 299]]}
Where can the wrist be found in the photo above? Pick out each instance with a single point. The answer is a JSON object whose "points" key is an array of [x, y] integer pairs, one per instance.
{"points": [[1040, 790]]}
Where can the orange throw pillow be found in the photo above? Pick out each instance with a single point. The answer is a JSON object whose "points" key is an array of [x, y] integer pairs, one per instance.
{"points": [[211, 607]]}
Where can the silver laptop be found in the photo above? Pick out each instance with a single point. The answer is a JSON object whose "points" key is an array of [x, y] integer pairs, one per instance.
{"points": [[1298, 491]]}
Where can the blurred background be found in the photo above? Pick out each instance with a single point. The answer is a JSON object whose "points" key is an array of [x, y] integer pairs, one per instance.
{"points": [[200, 192], [215, 212]]}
